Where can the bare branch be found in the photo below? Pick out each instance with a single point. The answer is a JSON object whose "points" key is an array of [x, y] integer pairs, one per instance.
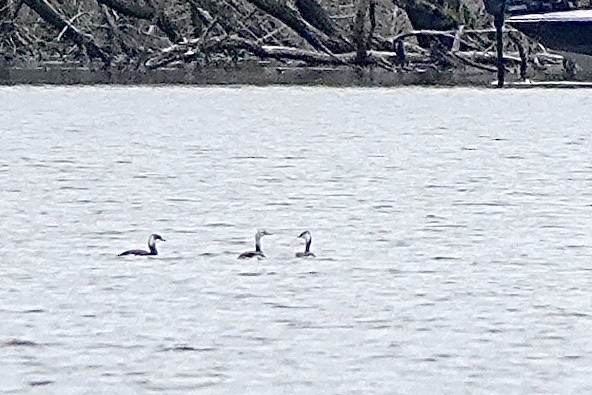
{"points": [[145, 13], [50, 15]]}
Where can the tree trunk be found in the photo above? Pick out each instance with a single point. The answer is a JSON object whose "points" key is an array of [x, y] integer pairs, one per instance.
{"points": [[314, 14], [294, 20], [372, 16]]}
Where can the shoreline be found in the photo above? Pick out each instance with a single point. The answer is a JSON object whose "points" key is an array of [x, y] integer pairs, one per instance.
{"points": [[244, 75], [268, 75]]}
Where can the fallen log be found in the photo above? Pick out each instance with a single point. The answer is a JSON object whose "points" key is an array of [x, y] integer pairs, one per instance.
{"points": [[292, 18], [312, 12], [195, 48], [203, 46], [192, 49], [452, 35], [468, 61]]}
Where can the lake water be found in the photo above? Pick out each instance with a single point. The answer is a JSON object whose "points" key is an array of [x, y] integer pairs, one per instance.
{"points": [[452, 229]]}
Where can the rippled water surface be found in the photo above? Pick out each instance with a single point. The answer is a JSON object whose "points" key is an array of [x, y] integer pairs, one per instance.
{"points": [[452, 230]]}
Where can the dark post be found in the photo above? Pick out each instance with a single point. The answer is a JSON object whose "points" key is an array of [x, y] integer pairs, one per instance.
{"points": [[497, 8], [361, 10], [499, 24]]}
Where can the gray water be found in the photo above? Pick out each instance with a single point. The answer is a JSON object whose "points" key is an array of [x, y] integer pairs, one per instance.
{"points": [[451, 228]]}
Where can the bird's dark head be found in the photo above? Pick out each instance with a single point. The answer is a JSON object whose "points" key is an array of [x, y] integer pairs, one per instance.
{"points": [[154, 237], [305, 235], [263, 232]]}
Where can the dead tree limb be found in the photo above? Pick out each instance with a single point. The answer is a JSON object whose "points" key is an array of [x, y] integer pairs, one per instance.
{"points": [[16, 7], [221, 10], [191, 50], [197, 19], [294, 21], [372, 17], [457, 39], [200, 17], [84, 41], [472, 63], [146, 13], [120, 42], [4, 9], [523, 57], [312, 12], [448, 34]]}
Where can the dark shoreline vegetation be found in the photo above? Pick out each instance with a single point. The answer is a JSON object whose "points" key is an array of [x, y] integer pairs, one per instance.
{"points": [[261, 42]]}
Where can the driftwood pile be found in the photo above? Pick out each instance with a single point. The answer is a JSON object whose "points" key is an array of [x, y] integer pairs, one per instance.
{"points": [[152, 34]]}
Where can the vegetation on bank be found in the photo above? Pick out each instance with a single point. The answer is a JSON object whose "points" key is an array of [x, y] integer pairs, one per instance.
{"points": [[396, 35]]}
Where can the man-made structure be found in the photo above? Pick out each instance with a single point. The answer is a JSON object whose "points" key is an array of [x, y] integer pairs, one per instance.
{"points": [[516, 7], [564, 31]]}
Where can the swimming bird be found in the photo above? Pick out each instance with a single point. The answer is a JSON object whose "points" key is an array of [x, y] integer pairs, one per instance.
{"points": [[151, 245], [308, 239], [257, 253]]}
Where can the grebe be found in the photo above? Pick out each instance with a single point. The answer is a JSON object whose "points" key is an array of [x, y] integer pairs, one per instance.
{"points": [[151, 245], [257, 253], [308, 238]]}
